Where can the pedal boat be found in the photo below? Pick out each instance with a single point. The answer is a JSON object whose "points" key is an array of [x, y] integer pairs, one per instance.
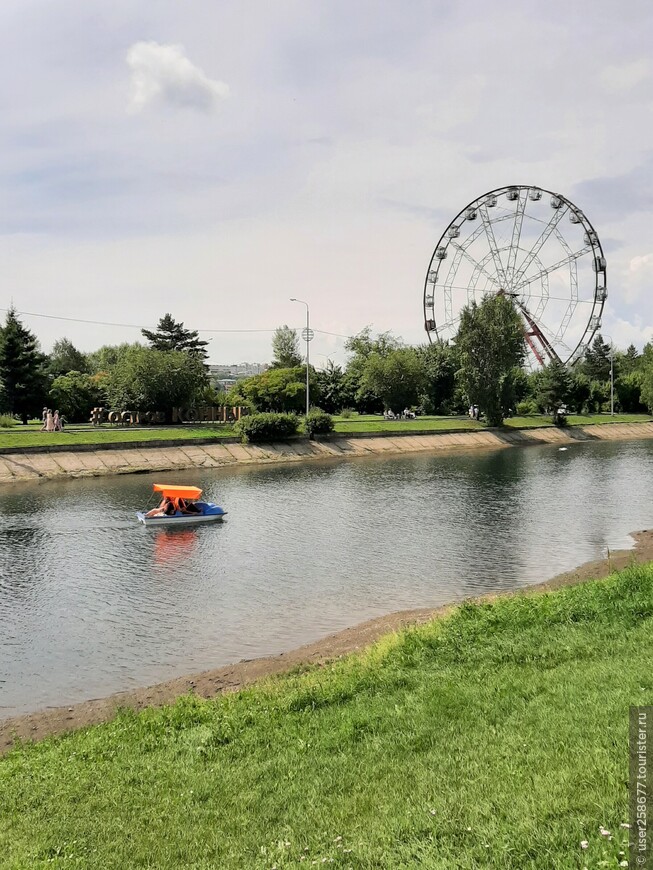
{"points": [[207, 513]]}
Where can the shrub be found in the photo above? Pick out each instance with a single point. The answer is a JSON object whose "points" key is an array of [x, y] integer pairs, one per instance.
{"points": [[318, 422], [346, 413], [267, 427], [7, 421], [528, 406]]}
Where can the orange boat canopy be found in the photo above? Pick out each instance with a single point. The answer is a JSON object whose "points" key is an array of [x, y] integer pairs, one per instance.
{"points": [[172, 491]]}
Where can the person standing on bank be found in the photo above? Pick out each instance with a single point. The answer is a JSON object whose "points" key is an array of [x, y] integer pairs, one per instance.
{"points": [[57, 422], [49, 422]]}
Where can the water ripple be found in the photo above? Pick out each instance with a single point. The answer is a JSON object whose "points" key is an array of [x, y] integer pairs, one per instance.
{"points": [[91, 602]]}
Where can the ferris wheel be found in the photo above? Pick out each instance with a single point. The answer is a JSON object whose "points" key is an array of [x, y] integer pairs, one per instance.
{"points": [[534, 246]]}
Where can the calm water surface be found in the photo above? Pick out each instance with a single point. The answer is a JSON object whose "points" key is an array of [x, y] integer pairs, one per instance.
{"points": [[91, 602]]}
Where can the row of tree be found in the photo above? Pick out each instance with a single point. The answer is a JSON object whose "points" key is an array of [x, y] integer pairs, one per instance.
{"points": [[484, 366], [170, 371]]}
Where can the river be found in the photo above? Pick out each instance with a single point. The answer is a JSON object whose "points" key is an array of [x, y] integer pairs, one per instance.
{"points": [[91, 602]]}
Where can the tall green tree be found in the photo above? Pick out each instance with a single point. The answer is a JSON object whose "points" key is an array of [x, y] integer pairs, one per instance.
{"points": [[144, 379], [398, 378], [555, 387], [490, 343], [440, 363], [599, 396], [630, 360], [628, 392], [171, 335], [285, 348], [332, 388], [66, 358], [362, 346], [23, 378], [580, 392], [647, 376], [75, 394], [105, 358], [275, 390], [596, 364]]}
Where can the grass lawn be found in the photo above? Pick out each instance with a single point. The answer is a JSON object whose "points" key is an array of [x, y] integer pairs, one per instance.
{"points": [[371, 423], [28, 436], [376, 423], [496, 738], [576, 420], [31, 436]]}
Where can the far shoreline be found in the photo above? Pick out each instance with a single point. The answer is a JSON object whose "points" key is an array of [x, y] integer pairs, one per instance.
{"points": [[93, 461], [211, 683]]}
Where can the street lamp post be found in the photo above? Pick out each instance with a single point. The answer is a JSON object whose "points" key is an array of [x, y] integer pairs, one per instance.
{"points": [[307, 335]]}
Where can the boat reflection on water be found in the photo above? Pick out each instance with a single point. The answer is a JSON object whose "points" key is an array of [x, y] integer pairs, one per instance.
{"points": [[174, 545]]}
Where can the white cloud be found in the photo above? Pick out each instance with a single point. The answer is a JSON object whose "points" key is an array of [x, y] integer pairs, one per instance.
{"points": [[637, 278], [624, 332], [163, 74], [641, 264], [622, 77]]}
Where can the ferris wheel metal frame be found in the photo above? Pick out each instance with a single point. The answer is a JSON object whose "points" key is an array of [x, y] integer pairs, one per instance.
{"points": [[506, 275]]}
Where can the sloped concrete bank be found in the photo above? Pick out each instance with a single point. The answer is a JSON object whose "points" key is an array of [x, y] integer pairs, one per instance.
{"points": [[28, 465]]}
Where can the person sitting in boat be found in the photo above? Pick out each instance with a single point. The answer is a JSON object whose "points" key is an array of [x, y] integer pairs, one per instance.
{"points": [[188, 507], [165, 509]]}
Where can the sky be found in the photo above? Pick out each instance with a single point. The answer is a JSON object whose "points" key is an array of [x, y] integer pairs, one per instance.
{"points": [[214, 160]]}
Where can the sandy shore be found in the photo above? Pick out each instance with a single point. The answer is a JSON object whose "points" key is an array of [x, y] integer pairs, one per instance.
{"points": [[208, 684]]}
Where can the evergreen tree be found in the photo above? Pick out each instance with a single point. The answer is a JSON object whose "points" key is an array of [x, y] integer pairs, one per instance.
{"points": [[285, 348], [630, 360], [23, 381], [170, 335], [597, 360]]}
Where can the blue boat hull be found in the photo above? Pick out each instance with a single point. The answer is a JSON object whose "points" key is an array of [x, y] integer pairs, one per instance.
{"points": [[211, 513]]}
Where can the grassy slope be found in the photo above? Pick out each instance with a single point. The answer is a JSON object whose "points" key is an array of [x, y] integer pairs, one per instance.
{"points": [[496, 738]]}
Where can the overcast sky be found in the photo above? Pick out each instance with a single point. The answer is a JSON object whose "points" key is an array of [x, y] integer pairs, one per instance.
{"points": [[214, 159]]}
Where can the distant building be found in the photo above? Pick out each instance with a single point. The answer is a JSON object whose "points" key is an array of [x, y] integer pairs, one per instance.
{"points": [[224, 376]]}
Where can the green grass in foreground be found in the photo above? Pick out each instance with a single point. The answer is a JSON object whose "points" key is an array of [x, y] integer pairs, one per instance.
{"points": [[23, 436], [496, 738]]}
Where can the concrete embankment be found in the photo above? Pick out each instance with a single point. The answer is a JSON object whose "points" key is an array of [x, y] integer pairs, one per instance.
{"points": [[93, 461]]}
